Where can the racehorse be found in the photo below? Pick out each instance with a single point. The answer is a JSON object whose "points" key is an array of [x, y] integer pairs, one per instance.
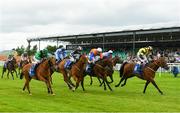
{"points": [[23, 63], [99, 71], [43, 73], [78, 69], [11, 67], [109, 72], [148, 72]]}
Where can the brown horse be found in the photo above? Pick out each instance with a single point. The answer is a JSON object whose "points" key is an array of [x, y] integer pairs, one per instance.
{"points": [[78, 69], [43, 73], [11, 67], [99, 71], [148, 72], [108, 70]]}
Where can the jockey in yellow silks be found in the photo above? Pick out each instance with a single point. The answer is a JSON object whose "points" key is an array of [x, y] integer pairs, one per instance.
{"points": [[143, 53]]}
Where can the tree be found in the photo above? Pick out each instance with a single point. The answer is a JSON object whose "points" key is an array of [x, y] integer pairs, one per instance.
{"points": [[51, 49], [20, 50]]}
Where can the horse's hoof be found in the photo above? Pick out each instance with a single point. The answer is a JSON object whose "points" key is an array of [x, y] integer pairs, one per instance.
{"points": [[53, 94], [73, 89], [30, 93], [22, 91]]}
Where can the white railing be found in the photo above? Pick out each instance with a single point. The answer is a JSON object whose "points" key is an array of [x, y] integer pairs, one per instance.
{"points": [[117, 67], [1, 63]]}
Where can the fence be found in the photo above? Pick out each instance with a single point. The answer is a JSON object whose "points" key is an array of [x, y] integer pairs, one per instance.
{"points": [[117, 67], [1, 63]]}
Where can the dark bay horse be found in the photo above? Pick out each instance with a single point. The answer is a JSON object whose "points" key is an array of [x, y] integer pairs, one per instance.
{"points": [[108, 70], [43, 73], [148, 74], [77, 70], [11, 67], [99, 71]]}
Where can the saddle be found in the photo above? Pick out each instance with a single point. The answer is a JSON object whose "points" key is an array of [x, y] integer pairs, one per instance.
{"points": [[68, 64], [32, 71], [138, 69]]}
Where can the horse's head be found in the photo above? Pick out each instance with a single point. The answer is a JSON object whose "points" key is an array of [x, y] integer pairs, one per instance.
{"points": [[83, 59], [115, 60], [161, 62]]}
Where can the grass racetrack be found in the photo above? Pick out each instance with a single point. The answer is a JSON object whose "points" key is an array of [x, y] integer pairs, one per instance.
{"points": [[128, 98]]}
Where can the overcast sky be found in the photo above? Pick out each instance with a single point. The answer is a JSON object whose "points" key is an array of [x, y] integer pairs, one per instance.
{"points": [[22, 19]]}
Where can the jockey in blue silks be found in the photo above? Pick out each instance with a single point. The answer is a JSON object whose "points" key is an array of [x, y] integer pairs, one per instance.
{"points": [[60, 54], [107, 54]]}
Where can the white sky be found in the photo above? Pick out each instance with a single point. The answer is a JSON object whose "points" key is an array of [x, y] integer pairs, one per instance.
{"points": [[22, 19]]}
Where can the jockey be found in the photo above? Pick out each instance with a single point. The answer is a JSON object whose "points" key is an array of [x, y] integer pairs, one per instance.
{"points": [[38, 58], [60, 54], [10, 58], [142, 60], [74, 56], [94, 55], [24, 56], [143, 53], [40, 55], [107, 54]]}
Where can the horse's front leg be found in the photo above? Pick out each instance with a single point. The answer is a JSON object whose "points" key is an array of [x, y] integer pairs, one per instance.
{"points": [[12, 75], [147, 82], [123, 77], [8, 74], [82, 83], [4, 70], [154, 83], [16, 73]]}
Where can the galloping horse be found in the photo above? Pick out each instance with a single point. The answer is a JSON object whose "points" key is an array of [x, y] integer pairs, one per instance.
{"points": [[109, 71], [11, 67], [43, 73], [99, 71], [78, 69], [148, 74]]}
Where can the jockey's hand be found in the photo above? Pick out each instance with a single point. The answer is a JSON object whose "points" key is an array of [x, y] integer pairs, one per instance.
{"points": [[146, 61]]}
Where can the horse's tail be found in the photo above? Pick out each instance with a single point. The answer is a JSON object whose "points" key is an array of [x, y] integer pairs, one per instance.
{"points": [[122, 69], [21, 75]]}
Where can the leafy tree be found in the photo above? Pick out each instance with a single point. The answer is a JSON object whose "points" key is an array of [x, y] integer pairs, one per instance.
{"points": [[51, 49]]}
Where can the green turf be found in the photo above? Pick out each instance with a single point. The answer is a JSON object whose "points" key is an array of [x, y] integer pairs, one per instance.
{"points": [[127, 98]]}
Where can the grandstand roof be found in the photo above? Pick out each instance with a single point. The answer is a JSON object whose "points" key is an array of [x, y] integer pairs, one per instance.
{"points": [[110, 32]]}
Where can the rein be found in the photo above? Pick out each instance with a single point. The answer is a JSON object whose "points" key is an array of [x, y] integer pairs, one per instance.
{"points": [[77, 67], [153, 69], [99, 65]]}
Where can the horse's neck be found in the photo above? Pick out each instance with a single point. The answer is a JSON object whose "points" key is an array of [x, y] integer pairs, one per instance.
{"points": [[114, 61], [79, 63], [44, 64], [103, 63], [154, 66]]}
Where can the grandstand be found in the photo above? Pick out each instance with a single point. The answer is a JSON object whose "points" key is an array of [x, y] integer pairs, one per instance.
{"points": [[123, 42]]}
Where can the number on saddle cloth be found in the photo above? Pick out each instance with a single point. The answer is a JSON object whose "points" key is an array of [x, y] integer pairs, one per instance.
{"points": [[67, 64], [89, 68], [32, 71], [138, 69], [175, 70]]}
